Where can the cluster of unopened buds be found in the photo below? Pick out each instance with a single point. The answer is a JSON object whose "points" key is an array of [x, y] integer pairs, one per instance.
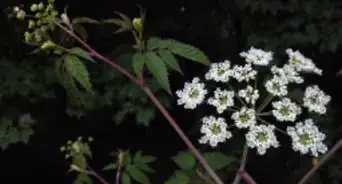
{"points": [[247, 111], [40, 21], [79, 146]]}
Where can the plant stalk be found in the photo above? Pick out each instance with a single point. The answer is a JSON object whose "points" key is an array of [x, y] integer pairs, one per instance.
{"points": [[153, 98], [324, 159]]}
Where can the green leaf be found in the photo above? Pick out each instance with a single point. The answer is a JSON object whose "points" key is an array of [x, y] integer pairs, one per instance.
{"points": [[218, 160], [145, 115], [138, 175], [81, 53], [84, 20], [78, 70], [179, 177], [185, 160], [144, 167], [170, 60], [110, 166], [117, 22], [147, 159], [158, 69], [81, 31], [83, 179], [80, 161], [187, 51], [127, 158], [138, 63], [137, 156], [154, 43], [125, 178]]}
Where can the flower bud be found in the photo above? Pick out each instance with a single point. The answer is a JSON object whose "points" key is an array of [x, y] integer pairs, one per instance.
{"points": [[38, 15], [28, 36], [37, 37], [31, 24], [34, 7], [47, 45], [65, 19], [21, 14], [41, 6], [16, 9], [75, 168], [138, 24]]}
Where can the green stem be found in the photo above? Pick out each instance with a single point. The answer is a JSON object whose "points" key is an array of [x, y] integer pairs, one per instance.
{"points": [[278, 129], [265, 113], [154, 100], [265, 103], [242, 102]]}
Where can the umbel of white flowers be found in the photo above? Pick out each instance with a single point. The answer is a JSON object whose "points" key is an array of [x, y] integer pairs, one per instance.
{"points": [[247, 111]]}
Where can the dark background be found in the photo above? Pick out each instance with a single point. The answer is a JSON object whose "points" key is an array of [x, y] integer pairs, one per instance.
{"points": [[221, 29]]}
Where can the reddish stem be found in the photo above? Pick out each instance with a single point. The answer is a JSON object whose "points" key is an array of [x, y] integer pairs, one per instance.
{"points": [[248, 179], [161, 108], [97, 176], [324, 159]]}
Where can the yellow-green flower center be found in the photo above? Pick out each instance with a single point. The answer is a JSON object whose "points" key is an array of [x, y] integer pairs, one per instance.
{"points": [[262, 136], [215, 129], [304, 139]]}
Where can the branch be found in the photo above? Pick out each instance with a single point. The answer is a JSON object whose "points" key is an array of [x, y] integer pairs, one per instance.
{"points": [[238, 175], [97, 176], [324, 159], [152, 97]]}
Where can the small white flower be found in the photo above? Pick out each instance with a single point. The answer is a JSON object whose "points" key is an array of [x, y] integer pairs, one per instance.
{"points": [[306, 138], [249, 94], [285, 110], [244, 118], [315, 99], [16, 9], [276, 86], [192, 95], [219, 72], [222, 99], [257, 56], [288, 73], [262, 138], [214, 130], [301, 63], [244, 73]]}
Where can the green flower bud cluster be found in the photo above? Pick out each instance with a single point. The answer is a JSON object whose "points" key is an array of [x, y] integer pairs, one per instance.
{"points": [[40, 22], [78, 147]]}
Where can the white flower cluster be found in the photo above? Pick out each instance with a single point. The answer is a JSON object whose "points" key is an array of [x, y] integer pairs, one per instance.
{"points": [[307, 138], [247, 111], [285, 110], [219, 72], [249, 94], [192, 95], [214, 130], [244, 118], [287, 73], [244, 73], [315, 99], [257, 56], [222, 100], [277, 86], [262, 137], [301, 63]]}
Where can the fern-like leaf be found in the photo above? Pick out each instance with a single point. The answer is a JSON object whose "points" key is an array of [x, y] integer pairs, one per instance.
{"points": [[158, 69], [85, 20], [81, 53], [170, 60], [78, 70], [138, 63], [187, 51]]}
